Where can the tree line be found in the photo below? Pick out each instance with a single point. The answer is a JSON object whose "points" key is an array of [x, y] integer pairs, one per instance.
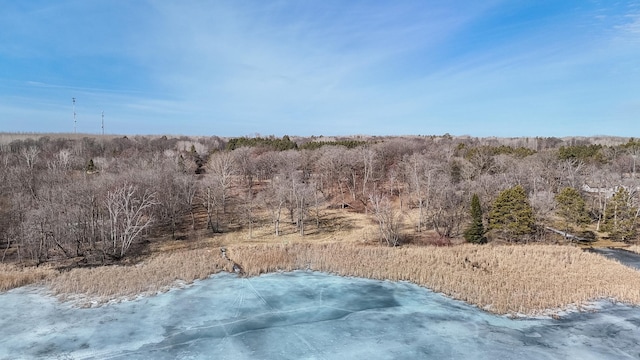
{"points": [[99, 198]]}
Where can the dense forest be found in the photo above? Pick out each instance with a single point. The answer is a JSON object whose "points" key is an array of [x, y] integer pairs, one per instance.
{"points": [[98, 198]]}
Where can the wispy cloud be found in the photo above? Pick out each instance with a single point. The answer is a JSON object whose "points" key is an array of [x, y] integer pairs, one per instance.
{"points": [[630, 29], [232, 68], [318, 64]]}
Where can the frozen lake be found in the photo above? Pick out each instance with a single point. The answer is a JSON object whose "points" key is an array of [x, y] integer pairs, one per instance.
{"points": [[303, 315], [626, 257]]}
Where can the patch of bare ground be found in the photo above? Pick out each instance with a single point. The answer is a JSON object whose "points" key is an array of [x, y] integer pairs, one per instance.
{"points": [[332, 224], [605, 243], [344, 225]]}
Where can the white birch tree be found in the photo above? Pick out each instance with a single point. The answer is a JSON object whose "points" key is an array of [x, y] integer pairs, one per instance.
{"points": [[129, 214]]}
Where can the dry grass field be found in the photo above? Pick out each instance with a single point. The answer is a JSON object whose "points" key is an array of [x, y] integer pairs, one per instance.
{"points": [[13, 276], [335, 224]]}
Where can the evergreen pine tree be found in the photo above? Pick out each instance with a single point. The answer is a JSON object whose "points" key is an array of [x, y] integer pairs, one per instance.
{"points": [[571, 207], [475, 232], [91, 167], [619, 216], [511, 214]]}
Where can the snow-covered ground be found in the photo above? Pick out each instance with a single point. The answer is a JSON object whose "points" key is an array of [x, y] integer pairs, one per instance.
{"points": [[303, 315]]}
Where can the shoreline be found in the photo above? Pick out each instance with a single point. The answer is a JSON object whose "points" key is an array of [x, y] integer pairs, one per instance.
{"points": [[528, 280], [82, 301]]}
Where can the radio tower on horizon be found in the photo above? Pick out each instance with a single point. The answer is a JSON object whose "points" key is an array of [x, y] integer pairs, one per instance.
{"points": [[75, 122], [103, 123]]}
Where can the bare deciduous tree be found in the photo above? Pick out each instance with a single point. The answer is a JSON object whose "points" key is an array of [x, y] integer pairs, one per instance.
{"points": [[129, 214], [419, 177], [449, 209], [303, 195], [571, 170], [387, 217], [222, 170], [275, 198], [30, 156], [188, 189], [207, 197], [368, 157]]}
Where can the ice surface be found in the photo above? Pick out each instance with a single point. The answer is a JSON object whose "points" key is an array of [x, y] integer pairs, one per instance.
{"points": [[624, 256], [303, 315]]}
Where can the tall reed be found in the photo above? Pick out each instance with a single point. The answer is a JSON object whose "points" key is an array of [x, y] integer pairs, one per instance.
{"points": [[101, 284], [500, 279], [527, 279], [14, 276]]}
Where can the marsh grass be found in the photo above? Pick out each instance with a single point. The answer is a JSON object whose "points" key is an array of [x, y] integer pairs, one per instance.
{"points": [[519, 279], [158, 274], [500, 279], [13, 276]]}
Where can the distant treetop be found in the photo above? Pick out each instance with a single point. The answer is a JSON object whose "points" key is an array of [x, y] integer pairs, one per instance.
{"points": [[518, 152], [271, 142], [581, 152], [350, 144]]}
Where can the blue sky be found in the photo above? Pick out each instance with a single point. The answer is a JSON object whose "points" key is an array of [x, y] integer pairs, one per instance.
{"points": [[324, 67]]}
